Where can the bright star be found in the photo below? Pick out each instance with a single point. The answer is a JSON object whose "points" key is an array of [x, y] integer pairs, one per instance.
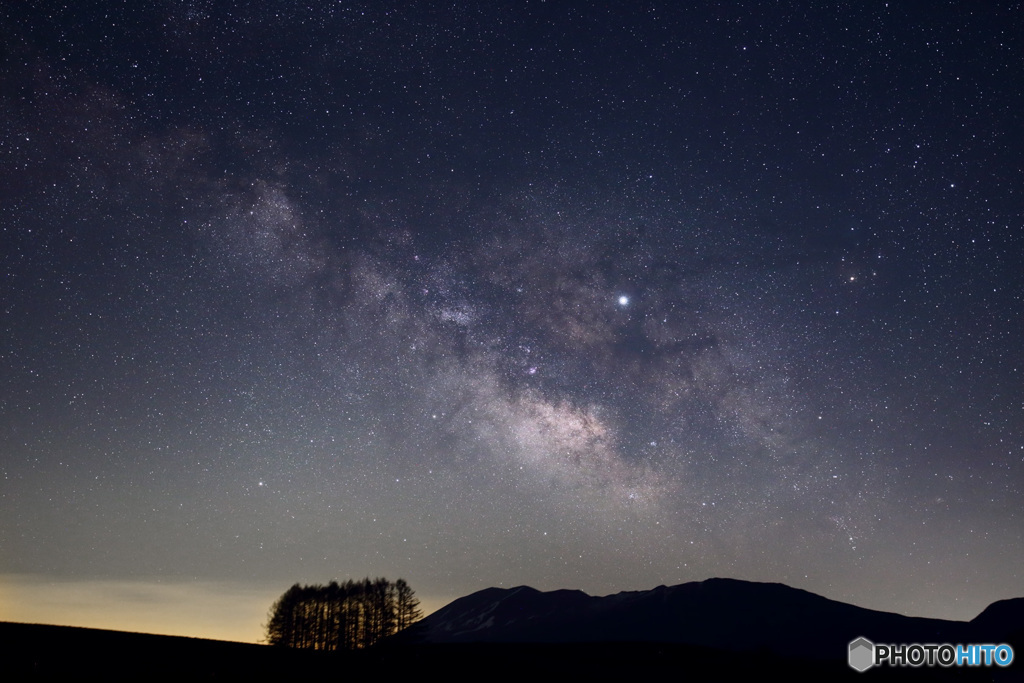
{"points": [[623, 300]]}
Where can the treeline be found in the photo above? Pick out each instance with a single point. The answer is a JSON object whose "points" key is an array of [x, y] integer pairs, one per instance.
{"points": [[341, 616]]}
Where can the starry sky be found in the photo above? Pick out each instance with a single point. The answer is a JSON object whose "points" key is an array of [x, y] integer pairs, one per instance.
{"points": [[590, 295]]}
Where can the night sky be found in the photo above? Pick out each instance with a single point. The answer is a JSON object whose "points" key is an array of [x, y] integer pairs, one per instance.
{"points": [[575, 295]]}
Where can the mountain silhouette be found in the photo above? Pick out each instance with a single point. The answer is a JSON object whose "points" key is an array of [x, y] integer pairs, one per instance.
{"points": [[724, 614], [710, 630]]}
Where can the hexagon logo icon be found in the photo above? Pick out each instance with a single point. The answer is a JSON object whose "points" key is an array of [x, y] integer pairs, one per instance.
{"points": [[862, 654]]}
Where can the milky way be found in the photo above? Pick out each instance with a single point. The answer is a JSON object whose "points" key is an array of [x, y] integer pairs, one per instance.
{"points": [[597, 298]]}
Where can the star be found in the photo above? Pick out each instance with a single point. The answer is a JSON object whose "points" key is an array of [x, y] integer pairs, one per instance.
{"points": [[406, 312]]}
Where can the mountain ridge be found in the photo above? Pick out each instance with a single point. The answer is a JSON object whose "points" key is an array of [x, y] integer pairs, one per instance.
{"points": [[720, 613]]}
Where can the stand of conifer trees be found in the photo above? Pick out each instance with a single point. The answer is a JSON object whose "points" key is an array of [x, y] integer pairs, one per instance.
{"points": [[344, 616]]}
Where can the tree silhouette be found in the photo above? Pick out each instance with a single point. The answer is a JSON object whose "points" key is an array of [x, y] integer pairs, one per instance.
{"points": [[407, 606], [343, 616]]}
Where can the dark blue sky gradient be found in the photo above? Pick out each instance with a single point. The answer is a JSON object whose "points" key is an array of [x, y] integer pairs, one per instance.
{"points": [[293, 294]]}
